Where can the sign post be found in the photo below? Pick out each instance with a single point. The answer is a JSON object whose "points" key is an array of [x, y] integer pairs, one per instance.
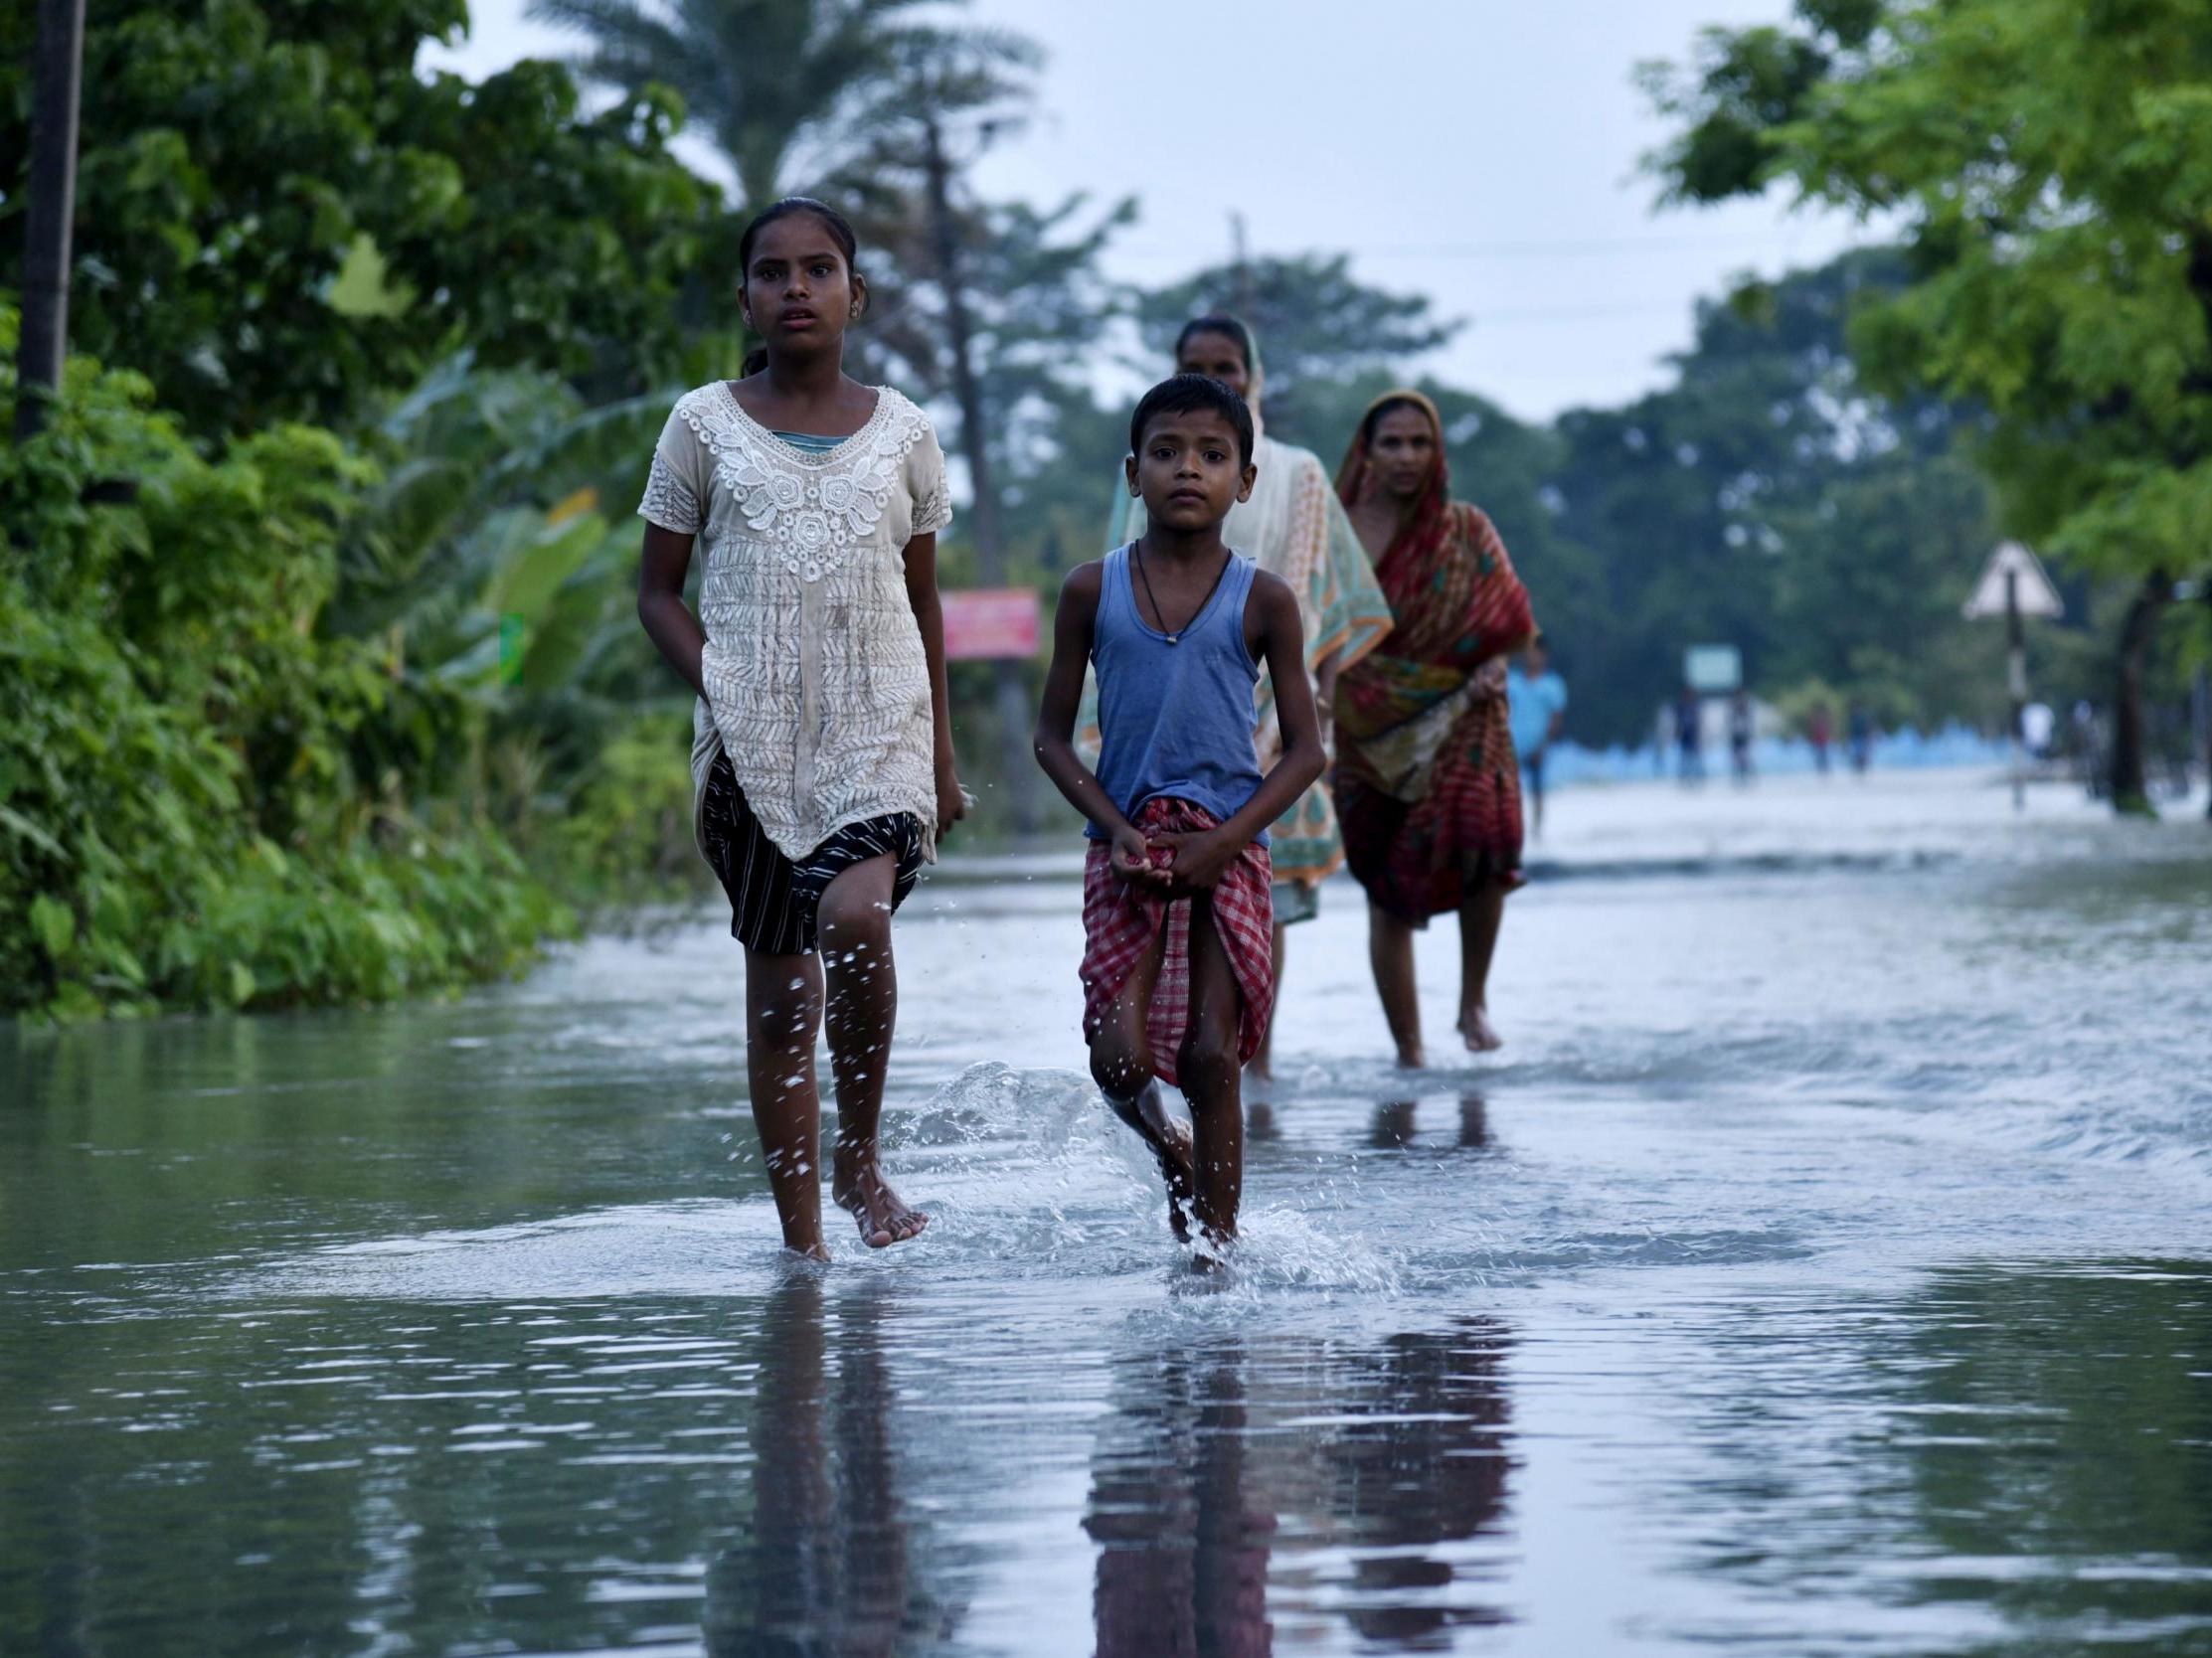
{"points": [[993, 624], [2013, 584]]}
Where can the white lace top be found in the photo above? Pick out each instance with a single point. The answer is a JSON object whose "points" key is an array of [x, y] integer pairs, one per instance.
{"points": [[817, 685]]}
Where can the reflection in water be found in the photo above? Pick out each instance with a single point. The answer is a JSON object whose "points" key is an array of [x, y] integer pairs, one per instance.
{"points": [[1397, 1123], [1224, 1458], [1474, 1123], [1183, 1561], [1394, 1124], [823, 1565]]}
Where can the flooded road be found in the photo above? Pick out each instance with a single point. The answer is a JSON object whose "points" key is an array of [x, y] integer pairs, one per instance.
{"points": [[1825, 1266]]}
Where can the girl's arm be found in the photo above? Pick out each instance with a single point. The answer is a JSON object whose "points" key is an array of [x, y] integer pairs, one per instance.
{"points": [[1202, 859], [921, 593], [1072, 623], [669, 623]]}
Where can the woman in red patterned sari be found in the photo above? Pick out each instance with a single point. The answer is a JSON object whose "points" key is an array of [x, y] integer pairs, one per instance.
{"points": [[1428, 787]]}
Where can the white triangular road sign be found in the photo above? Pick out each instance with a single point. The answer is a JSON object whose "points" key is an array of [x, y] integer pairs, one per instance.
{"points": [[2037, 598]]}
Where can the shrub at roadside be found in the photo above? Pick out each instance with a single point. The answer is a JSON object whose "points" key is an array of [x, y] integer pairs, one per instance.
{"points": [[180, 817]]}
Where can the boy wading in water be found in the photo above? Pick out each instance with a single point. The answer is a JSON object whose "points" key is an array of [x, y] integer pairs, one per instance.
{"points": [[822, 745], [1177, 970]]}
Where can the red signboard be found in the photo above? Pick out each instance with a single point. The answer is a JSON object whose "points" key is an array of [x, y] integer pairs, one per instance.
{"points": [[993, 624]]}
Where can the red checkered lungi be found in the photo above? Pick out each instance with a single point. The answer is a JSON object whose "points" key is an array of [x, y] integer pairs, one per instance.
{"points": [[1121, 919]]}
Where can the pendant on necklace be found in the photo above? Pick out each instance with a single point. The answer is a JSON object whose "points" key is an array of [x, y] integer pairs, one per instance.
{"points": [[1174, 638]]}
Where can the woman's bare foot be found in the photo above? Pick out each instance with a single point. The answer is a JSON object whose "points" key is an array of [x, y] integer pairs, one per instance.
{"points": [[885, 1218], [1481, 1035]]}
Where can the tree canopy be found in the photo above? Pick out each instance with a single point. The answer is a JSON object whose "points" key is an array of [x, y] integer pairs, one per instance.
{"points": [[279, 220], [2049, 163]]}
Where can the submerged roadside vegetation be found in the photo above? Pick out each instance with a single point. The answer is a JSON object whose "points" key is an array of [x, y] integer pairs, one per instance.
{"points": [[319, 674]]}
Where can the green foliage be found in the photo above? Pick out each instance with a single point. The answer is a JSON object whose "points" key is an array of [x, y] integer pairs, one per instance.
{"points": [[763, 80], [276, 220], [1765, 499], [180, 817], [1316, 322], [627, 838], [487, 571], [2051, 164]]}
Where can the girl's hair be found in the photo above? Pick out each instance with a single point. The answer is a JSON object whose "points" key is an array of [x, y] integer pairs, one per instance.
{"points": [[1221, 322], [840, 231], [1383, 405]]}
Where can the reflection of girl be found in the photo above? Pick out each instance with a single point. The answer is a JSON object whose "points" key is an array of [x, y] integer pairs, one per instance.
{"points": [[1427, 783], [825, 1562], [1294, 528]]}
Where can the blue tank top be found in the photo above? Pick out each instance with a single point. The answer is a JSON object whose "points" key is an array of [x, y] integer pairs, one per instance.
{"points": [[1175, 719]]}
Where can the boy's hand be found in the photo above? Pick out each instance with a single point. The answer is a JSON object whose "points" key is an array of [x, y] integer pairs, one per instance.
{"points": [[1202, 858], [953, 799], [1133, 859]]}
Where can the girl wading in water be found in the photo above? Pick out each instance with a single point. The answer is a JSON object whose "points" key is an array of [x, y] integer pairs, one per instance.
{"points": [[1427, 785], [822, 747], [1292, 527]]}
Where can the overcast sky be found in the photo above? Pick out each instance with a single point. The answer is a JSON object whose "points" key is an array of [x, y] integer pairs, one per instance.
{"points": [[1482, 153]]}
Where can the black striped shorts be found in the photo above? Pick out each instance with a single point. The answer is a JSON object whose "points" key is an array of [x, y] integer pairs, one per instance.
{"points": [[773, 901]]}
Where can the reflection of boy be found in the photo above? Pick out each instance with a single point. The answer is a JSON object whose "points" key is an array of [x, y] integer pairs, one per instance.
{"points": [[1536, 708], [1177, 972]]}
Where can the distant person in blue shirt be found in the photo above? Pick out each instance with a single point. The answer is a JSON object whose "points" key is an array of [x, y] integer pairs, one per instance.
{"points": [[1536, 704]]}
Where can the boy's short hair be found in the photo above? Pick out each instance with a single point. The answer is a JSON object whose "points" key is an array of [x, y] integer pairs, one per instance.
{"points": [[1182, 394]]}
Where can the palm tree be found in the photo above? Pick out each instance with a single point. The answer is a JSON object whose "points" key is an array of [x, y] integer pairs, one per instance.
{"points": [[786, 88]]}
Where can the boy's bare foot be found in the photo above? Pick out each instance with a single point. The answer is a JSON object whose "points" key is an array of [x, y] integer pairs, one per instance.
{"points": [[884, 1217], [819, 1253], [1411, 1058], [1213, 1252], [1481, 1035], [1178, 1171]]}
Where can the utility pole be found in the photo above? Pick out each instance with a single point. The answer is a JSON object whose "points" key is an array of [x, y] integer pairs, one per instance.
{"points": [[2016, 685], [57, 72], [1243, 266], [1013, 703]]}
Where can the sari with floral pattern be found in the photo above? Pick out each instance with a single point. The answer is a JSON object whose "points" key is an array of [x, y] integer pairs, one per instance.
{"points": [[1427, 786]]}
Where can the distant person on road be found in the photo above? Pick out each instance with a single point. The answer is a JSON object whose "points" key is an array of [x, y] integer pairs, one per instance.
{"points": [[1292, 527], [1427, 781], [1859, 728], [1820, 731], [822, 750], [1743, 725], [1689, 737], [1536, 700], [1178, 964]]}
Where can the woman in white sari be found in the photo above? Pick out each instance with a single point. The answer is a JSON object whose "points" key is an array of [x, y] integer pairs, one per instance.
{"points": [[1294, 527]]}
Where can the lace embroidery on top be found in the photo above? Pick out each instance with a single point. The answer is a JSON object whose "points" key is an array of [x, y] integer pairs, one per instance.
{"points": [[808, 509]]}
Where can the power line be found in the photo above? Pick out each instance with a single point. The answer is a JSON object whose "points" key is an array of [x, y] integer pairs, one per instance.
{"points": [[1593, 248]]}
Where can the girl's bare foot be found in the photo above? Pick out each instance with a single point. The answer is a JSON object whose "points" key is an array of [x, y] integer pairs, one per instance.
{"points": [[883, 1217]]}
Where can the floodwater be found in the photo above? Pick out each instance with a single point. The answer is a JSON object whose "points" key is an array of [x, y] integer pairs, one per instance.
{"points": [[1826, 1266]]}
